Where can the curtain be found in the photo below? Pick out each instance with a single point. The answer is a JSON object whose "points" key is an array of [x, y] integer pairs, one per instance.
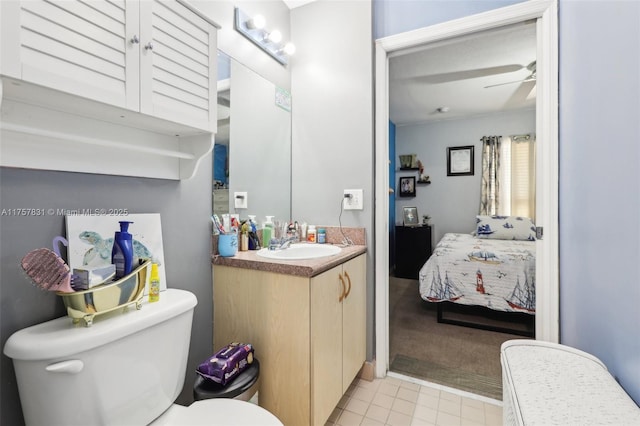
{"points": [[490, 181], [509, 176]]}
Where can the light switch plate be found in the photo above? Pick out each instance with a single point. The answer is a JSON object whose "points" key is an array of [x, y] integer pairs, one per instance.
{"points": [[355, 201], [240, 200]]}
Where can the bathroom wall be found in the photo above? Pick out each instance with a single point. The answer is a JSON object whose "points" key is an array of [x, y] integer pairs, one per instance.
{"points": [[452, 201], [600, 183], [397, 16], [332, 87]]}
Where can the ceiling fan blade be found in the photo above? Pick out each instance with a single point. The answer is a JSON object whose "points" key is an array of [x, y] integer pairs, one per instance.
{"points": [[521, 94], [502, 84], [465, 75]]}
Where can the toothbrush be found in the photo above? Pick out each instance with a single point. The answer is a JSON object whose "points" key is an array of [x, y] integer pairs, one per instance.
{"points": [[217, 227]]}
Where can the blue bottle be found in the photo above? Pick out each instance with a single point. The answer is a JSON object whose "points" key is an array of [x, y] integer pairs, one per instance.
{"points": [[122, 252]]}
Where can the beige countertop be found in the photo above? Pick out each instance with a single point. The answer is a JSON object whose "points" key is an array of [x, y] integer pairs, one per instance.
{"points": [[304, 268]]}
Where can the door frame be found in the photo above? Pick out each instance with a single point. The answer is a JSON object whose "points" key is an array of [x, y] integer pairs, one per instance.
{"points": [[545, 12]]}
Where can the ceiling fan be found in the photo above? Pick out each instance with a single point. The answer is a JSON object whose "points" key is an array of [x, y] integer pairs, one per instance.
{"points": [[523, 91], [531, 78], [449, 77]]}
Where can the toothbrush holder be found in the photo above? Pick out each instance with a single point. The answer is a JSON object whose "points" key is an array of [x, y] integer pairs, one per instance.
{"points": [[228, 244]]}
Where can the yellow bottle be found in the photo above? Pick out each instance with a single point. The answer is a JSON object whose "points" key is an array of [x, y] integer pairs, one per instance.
{"points": [[154, 284]]}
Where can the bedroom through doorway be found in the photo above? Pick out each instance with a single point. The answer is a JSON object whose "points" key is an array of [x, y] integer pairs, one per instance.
{"points": [[454, 114]]}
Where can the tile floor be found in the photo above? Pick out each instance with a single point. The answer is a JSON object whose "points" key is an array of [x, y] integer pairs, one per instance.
{"points": [[403, 401]]}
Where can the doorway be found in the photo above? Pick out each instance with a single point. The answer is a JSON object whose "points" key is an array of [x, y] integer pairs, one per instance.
{"points": [[545, 15]]}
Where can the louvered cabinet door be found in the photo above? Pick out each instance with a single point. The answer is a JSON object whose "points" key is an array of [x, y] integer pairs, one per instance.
{"points": [[177, 64], [82, 48]]}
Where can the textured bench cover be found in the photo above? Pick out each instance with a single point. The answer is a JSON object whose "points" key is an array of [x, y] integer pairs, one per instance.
{"points": [[550, 384]]}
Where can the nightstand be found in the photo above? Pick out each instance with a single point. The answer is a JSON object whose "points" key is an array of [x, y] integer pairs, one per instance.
{"points": [[413, 248]]}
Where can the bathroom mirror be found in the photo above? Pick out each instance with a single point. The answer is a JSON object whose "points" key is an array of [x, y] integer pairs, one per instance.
{"points": [[252, 151]]}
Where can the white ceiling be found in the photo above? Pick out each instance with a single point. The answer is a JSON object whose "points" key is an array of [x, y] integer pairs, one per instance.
{"points": [[292, 4], [454, 74]]}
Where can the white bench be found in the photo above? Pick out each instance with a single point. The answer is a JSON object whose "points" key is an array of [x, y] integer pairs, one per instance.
{"points": [[551, 384]]}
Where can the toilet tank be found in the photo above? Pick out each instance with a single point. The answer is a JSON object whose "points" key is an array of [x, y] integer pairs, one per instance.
{"points": [[126, 369]]}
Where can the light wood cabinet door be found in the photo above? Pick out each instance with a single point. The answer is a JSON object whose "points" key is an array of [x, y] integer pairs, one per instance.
{"points": [[354, 317], [338, 334], [327, 292]]}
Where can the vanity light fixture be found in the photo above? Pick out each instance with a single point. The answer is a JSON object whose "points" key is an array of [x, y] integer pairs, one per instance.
{"points": [[253, 28]]}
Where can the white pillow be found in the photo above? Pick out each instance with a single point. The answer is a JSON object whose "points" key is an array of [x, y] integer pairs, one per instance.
{"points": [[505, 228]]}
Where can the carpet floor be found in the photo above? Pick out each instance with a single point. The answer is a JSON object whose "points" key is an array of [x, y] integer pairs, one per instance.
{"points": [[459, 357]]}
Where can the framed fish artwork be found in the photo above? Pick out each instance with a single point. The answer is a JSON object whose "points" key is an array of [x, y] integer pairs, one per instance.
{"points": [[91, 237]]}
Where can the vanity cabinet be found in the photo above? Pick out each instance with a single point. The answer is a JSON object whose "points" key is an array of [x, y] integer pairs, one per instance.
{"points": [[308, 333], [122, 87]]}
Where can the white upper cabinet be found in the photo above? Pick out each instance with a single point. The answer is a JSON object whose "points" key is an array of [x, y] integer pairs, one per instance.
{"points": [[149, 65], [155, 57], [78, 48], [177, 63]]}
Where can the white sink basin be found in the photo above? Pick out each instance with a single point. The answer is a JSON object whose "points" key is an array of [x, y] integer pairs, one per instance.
{"points": [[300, 251]]}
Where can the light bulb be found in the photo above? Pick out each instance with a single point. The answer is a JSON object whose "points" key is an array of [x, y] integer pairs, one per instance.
{"points": [[289, 48], [257, 22], [275, 36]]}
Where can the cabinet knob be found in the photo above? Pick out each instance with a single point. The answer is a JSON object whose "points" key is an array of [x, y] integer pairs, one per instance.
{"points": [[342, 296], [135, 39], [148, 46]]}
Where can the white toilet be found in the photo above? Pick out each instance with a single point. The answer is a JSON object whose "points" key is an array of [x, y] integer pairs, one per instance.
{"points": [[127, 369]]}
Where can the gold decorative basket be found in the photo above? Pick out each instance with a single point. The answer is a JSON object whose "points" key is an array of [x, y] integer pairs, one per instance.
{"points": [[105, 298]]}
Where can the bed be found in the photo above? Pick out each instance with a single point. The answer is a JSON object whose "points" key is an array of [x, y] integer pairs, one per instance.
{"points": [[494, 267]]}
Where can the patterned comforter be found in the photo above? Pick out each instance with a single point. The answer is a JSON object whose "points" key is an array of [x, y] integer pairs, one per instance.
{"points": [[498, 274]]}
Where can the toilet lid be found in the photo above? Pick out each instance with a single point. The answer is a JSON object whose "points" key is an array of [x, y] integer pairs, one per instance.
{"points": [[221, 411]]}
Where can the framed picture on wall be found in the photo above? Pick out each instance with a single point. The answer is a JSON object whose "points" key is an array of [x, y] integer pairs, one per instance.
{"points": [[410, 216], [460, 161], [407, 186]]}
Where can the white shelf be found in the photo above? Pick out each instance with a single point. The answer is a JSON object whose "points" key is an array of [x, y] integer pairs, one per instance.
{"points": [[41, 128]]}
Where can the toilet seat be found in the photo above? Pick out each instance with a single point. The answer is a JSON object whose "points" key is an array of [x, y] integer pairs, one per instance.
{"points": [[221, 411]]}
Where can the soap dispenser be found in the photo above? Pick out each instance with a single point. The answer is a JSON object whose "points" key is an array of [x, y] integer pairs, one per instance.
{"points": [[254, 242], [122, 252], [267, 231]]}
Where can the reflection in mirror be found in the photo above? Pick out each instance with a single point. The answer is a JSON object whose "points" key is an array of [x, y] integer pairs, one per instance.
{"points": [[252, 150], [221, 146]]}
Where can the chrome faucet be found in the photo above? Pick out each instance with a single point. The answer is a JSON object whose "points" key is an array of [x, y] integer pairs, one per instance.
{"points": [[286, 242], [282, 243]]}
